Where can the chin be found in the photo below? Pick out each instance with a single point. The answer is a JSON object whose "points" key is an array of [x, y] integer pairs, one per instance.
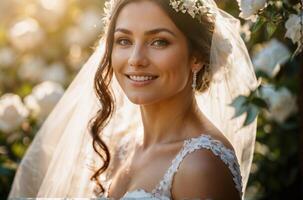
{"points": [[142, 100], [139, 101]]}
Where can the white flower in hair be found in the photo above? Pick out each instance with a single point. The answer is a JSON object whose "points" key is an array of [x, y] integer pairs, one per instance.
{"points": [[195, 8], [190, 7], [175, 4]]}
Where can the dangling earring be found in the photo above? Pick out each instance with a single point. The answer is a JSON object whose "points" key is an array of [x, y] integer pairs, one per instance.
{"points": [[194, 85]]}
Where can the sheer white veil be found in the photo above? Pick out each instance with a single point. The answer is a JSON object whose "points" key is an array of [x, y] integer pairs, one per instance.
{"points": [[61, 159]]}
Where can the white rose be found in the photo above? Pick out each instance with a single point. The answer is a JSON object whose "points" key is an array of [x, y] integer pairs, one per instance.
{"points": [[43, 99], [7, 57], [293, 26], [55, 72], [270, 57], [32, 69], [281, 103], [250, 7], [12, 112], [26, 34]]}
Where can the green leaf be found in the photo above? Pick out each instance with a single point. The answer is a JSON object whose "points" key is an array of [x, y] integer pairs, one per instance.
{"points": [[240, 111], [239, 103], [270, 29], [252, 113], [18, 149], [260, 102], [260, 22]]}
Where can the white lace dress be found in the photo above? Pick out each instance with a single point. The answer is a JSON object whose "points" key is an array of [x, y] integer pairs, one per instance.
{"points": [[163, 190]]}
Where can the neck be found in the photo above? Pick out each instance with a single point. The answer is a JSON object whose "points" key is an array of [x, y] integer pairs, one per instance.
{"points": [[171, 120]]}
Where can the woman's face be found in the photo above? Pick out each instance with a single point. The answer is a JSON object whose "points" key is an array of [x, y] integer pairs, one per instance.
{"points": [[150, 56]]}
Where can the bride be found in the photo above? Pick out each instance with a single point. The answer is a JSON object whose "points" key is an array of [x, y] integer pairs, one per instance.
{"points": [[160, 127]]}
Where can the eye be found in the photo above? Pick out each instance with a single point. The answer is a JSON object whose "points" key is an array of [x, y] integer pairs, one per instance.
{"points": [[123, 41], [160, 43]]}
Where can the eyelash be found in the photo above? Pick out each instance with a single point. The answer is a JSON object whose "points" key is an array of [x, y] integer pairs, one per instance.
{"points": [[162, 41], [119, 40]]}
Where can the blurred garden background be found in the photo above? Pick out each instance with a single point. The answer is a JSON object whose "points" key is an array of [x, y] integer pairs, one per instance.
{"points": [[44, 43]]}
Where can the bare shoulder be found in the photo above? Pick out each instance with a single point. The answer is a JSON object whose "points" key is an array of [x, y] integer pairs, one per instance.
{"points": [[203, 175], [218, 135]]}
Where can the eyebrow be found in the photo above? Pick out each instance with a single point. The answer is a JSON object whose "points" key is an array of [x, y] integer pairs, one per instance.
{"points": [[150, 32]]}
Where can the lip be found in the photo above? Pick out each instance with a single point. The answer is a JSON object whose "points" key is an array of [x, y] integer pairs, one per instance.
{"points": [[140, 83]]}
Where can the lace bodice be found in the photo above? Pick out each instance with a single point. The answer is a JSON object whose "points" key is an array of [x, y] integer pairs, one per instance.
{"points": [[163, 190]]}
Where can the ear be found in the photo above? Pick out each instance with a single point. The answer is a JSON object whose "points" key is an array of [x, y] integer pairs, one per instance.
{"points": [[196, 64]]}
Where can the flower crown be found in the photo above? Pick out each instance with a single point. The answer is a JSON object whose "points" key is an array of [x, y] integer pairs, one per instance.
{"points": [[195, 8]]}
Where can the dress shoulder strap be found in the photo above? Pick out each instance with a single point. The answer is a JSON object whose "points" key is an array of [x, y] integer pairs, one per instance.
{"points": [[202, 142]]}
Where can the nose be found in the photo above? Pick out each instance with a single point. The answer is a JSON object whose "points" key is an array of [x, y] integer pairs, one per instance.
{"points": [[138, 57]]}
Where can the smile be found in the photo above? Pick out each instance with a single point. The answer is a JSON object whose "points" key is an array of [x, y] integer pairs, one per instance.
{"points": [[141, 78]]}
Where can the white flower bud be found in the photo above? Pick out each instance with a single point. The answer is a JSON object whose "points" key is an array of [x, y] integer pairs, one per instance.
{"points": [[43, 98], [12, 112]]}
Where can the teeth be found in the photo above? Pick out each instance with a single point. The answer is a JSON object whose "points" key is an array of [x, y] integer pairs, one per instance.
{"points": [[141, 78]]}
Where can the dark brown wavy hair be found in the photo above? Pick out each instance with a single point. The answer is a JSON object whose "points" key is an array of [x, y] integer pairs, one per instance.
{"points": [[199, 37]]}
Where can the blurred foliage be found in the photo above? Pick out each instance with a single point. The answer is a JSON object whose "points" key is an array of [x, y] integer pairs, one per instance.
{"points": [[275, 169], [69, 37]]}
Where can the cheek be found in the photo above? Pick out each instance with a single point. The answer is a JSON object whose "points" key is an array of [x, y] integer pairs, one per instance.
{"points": [[174, 64], [118, 59]]}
